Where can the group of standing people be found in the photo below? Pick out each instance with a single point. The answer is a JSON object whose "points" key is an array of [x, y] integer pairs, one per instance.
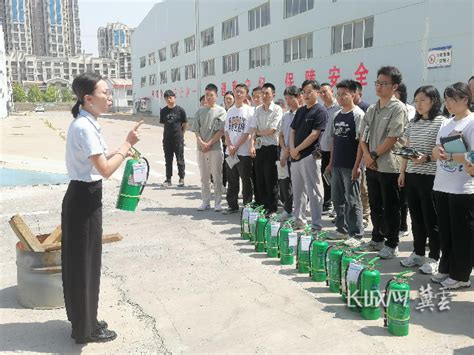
{"points": [[330, 152]]}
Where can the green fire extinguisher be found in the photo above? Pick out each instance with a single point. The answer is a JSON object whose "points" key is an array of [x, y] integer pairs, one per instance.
{"points": [[333, 262], [260, 233], [317, 259], [253, 217], [271, 237], [348, 257], [302, 250], [135, 176], [397, 304], [244, 221], [369, 287], [287, 241]]}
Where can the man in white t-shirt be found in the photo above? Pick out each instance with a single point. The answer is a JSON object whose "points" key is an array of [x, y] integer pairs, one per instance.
{"points": [[238, 145]]}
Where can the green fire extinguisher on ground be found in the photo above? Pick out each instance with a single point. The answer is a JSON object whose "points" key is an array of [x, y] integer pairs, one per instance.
{"points": [[287, 241], [317, 258], [302, 250], [333, 262], [397, 304], [271, 237], [260, 233], [348, 257], [244, 221], [253, 217], [369, 288], [135, 176]]}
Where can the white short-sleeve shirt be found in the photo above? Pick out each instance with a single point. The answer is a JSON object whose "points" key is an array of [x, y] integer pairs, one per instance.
{"points": [[84, 140]]}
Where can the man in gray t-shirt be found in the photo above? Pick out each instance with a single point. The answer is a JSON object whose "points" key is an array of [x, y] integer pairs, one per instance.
{"points": [[209, 127], [382, 126]]}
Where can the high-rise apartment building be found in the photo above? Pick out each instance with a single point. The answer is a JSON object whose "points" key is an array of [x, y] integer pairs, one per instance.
{"points": [[41, 27], [114, 43]]}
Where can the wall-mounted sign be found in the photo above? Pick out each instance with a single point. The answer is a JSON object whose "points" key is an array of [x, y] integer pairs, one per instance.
{"points": [[439, 57]]}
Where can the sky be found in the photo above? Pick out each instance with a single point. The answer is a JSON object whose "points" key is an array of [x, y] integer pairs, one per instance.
{"points": [[96, 13]]}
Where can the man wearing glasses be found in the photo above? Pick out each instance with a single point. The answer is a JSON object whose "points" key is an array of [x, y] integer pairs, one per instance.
{"points": [[383, 124]]}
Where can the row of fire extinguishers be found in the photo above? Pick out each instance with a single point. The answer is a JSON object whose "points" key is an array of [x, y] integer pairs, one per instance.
{"points": [[343, 269]]}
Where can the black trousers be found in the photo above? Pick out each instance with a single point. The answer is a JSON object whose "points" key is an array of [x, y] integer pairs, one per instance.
{"points": [[403, 209], [267, 177], [81, 254], [241, 171], [174, 146], [286, 191], [424, 219], [325, 158], [256, 193], [384, 206], [456, 231]]}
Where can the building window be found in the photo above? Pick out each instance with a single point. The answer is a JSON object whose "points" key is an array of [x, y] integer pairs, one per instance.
{"points": [[152, 79], [259, 17], [353, 35], [151, 58], [259, 56], [230, 63], [207, 37], [300, 47], [174, 49], [142, 62], [190, 71], [189, 44], [163, 77], [143, 81], [175, 74], [295, 7], [230, 28], [208, 68], [162, 54]]}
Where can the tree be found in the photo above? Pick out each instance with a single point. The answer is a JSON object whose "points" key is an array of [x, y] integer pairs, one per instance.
{"points": [[51, 94], [18, 93], [35, 94], [67, 95]]}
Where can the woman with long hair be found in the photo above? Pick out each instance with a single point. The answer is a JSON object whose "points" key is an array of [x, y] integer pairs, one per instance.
{"points": [[87, 161], [417, 176]]}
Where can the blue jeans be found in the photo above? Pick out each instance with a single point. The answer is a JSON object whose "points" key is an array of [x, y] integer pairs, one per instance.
{"points": [[345, 195]]}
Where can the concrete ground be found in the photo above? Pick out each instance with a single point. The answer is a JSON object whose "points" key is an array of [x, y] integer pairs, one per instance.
{"points": [[183, 281]]}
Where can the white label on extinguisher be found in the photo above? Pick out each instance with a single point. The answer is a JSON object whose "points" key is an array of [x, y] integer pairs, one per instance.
{"points": [[253, 217], [353, 272], [245, 213], [305, 241], [292, 239], [275, 228], [139, 173]]}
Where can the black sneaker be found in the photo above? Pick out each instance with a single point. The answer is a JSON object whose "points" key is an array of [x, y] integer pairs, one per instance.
{"points": [[166, 183], [229, 210], [181, 183]]}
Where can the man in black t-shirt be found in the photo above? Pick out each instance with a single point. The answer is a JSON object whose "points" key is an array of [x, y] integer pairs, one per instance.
{"points": [[306, 128], [173, 117]]}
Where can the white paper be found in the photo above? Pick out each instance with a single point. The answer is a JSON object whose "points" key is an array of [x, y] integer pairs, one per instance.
{"points": [[232, 160], [275, 228], [139, 173], [305, 241], [253, 217], [245, 213], [282, 171], [353, 272], [292, 239]]}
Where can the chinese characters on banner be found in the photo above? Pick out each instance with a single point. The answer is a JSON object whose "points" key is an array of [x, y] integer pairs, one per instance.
{"points": [[361, 74], [223, 88], [289, 81], [310, 74], [334, 75], [261, 81]]}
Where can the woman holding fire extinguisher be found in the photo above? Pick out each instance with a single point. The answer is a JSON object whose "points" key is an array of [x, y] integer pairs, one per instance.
{"points": [[87, 161]]}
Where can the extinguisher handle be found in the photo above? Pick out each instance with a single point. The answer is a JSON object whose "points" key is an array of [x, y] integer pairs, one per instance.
{"points": [[147, 173]]}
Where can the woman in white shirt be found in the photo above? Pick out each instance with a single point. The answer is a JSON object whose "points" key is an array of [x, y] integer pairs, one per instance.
{"points": [[454, 191], [87, 161]]}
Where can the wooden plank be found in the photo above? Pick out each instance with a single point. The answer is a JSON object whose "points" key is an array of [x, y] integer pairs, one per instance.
{"points": [[109, 238], [53, 237], [23, 232]]}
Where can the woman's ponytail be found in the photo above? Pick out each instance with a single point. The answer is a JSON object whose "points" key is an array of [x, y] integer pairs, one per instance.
{"points": [[75, 109]]}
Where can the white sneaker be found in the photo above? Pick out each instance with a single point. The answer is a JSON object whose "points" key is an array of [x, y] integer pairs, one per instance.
{"points": [[218, 207], [204, 207], [451, 284], [388, 253], [299, 224], [353, 242], [439, 277], [402, 234], [413, 260], [429, 267]]}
